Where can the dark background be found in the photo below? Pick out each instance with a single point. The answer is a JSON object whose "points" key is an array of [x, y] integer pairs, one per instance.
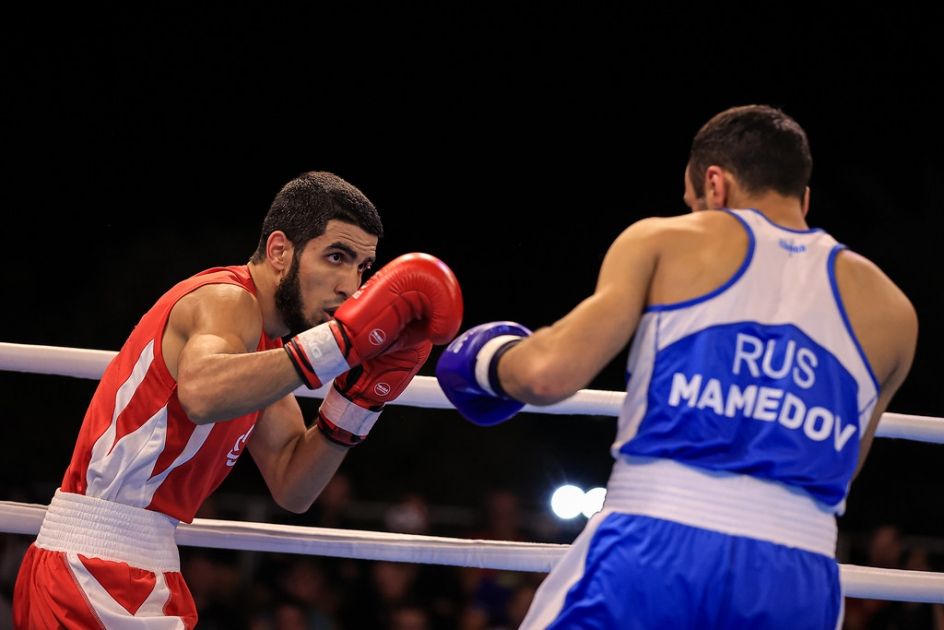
{"points": [[514, 143]]}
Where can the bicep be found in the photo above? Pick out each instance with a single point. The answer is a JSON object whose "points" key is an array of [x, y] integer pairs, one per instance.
{"points": [[600, 326], [216, 319], [208, 348], [623, 285], [905, 336], [567, 355]]}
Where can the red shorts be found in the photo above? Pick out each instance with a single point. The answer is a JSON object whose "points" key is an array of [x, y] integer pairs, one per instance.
{"points": [[57, 589]]}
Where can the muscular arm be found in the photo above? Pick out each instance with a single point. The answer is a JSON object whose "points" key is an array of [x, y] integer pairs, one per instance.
{"points": [[296, 463], [886, 325], [557, 361], [209, 348]]}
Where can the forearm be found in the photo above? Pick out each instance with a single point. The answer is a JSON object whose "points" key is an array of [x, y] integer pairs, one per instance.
{"points": [[557, 361], [489, 372], [533, 372], [218, 386], [524, 372], [308, 468]]}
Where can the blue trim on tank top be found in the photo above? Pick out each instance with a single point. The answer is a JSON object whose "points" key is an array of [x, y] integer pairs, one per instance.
{"points": [[780, 227], [831, 270], [724, 287]]}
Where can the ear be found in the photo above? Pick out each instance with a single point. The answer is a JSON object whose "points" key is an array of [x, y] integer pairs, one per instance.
{"points": [[279, 251], [717, 188], [806, 201]]}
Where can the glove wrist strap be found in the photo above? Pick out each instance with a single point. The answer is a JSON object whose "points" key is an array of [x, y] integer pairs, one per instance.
{"points": [[486, 363], [343, 421], [316, 355]]}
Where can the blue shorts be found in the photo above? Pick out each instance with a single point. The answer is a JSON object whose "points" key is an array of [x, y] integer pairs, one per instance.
{"points": [[629, 571]]}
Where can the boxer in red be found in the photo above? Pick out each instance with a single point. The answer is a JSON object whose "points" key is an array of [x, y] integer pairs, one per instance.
{"points": [[204, 375]]}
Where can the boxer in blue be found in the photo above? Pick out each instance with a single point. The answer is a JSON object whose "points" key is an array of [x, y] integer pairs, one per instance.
{"points": [[763, 355]]}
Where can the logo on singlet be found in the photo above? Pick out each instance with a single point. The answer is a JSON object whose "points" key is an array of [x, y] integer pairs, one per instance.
{"points": [[233, 455], [788, 245]]}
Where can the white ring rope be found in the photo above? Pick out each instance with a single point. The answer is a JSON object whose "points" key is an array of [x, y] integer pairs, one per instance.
{"points": [[23, 518], [423, 391], [857, 581]]}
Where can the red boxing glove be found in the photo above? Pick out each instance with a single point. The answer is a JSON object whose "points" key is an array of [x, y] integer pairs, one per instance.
{"points": [[354, 403], [411, 288], [408, 288]]}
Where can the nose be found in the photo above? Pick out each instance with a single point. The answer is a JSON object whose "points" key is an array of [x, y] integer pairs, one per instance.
{"points": [[349, 283]]}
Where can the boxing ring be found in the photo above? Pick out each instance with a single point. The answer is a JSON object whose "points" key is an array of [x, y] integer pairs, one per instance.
{"points": [[21, 518]]}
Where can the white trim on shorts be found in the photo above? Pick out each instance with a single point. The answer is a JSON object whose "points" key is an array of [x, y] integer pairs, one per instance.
{"points": [[96, 528], [738, 505]]}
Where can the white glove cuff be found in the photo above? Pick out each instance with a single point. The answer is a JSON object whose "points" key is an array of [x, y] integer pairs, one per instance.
{"points": [[323, 353], [346, 415], [483, 360]]}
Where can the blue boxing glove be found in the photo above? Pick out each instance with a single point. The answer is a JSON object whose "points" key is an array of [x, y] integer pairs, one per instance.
{"points": [[468, 372]]}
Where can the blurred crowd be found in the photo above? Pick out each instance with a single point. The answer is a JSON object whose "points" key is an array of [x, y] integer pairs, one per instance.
{"points": [[266, 591]]}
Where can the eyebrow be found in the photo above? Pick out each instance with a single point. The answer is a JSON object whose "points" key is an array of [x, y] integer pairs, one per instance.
{"points": [[347, 249]]}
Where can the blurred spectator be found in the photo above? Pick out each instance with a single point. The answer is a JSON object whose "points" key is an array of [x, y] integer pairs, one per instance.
{"points": [[332, 507], [305, 581], [487, 591], [916, 614], [502, 516], [288, 613], [409, 618], [473, 618], [217, 586], [520, 601], [389, 586], [393, 581], [12, 549], [885, 550], [410, 515]]}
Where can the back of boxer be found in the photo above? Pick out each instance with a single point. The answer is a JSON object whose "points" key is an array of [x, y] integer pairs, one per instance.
{"points": [[763, 355], [204, 376]]}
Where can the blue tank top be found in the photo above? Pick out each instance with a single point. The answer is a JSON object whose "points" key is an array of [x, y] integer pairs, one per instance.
{"points": [[762, 377]]}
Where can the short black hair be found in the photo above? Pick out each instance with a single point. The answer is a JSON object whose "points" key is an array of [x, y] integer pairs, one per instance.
{"points": [[763, 147], [305, 204]]}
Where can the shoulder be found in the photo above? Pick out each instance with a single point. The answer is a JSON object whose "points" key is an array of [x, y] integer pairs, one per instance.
{"points": [[693, 223], [858, 275], [880, 313], [222, 295], [683, 233], [219, 307]]}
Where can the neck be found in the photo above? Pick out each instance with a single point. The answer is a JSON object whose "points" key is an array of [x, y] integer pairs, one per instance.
{"points": [[785, 211], [266, 283]]}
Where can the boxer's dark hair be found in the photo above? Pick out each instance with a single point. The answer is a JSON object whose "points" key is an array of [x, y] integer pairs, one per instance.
{"points": [[304, 206], [762, 147]]}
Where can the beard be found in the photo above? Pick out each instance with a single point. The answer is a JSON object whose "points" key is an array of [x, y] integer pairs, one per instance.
{"points": [[288, 301]]}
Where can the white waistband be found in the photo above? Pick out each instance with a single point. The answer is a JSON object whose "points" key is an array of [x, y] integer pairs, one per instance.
{"points": [[110, 531], [733, 504]]}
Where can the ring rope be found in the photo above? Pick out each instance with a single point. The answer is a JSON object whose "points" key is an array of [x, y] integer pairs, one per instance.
{"points": [[423, 391], [22, 518], [857, 581]]}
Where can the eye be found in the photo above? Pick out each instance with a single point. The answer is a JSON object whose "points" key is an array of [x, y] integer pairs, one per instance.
{"points": [[336, 257], [365, 267]]}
